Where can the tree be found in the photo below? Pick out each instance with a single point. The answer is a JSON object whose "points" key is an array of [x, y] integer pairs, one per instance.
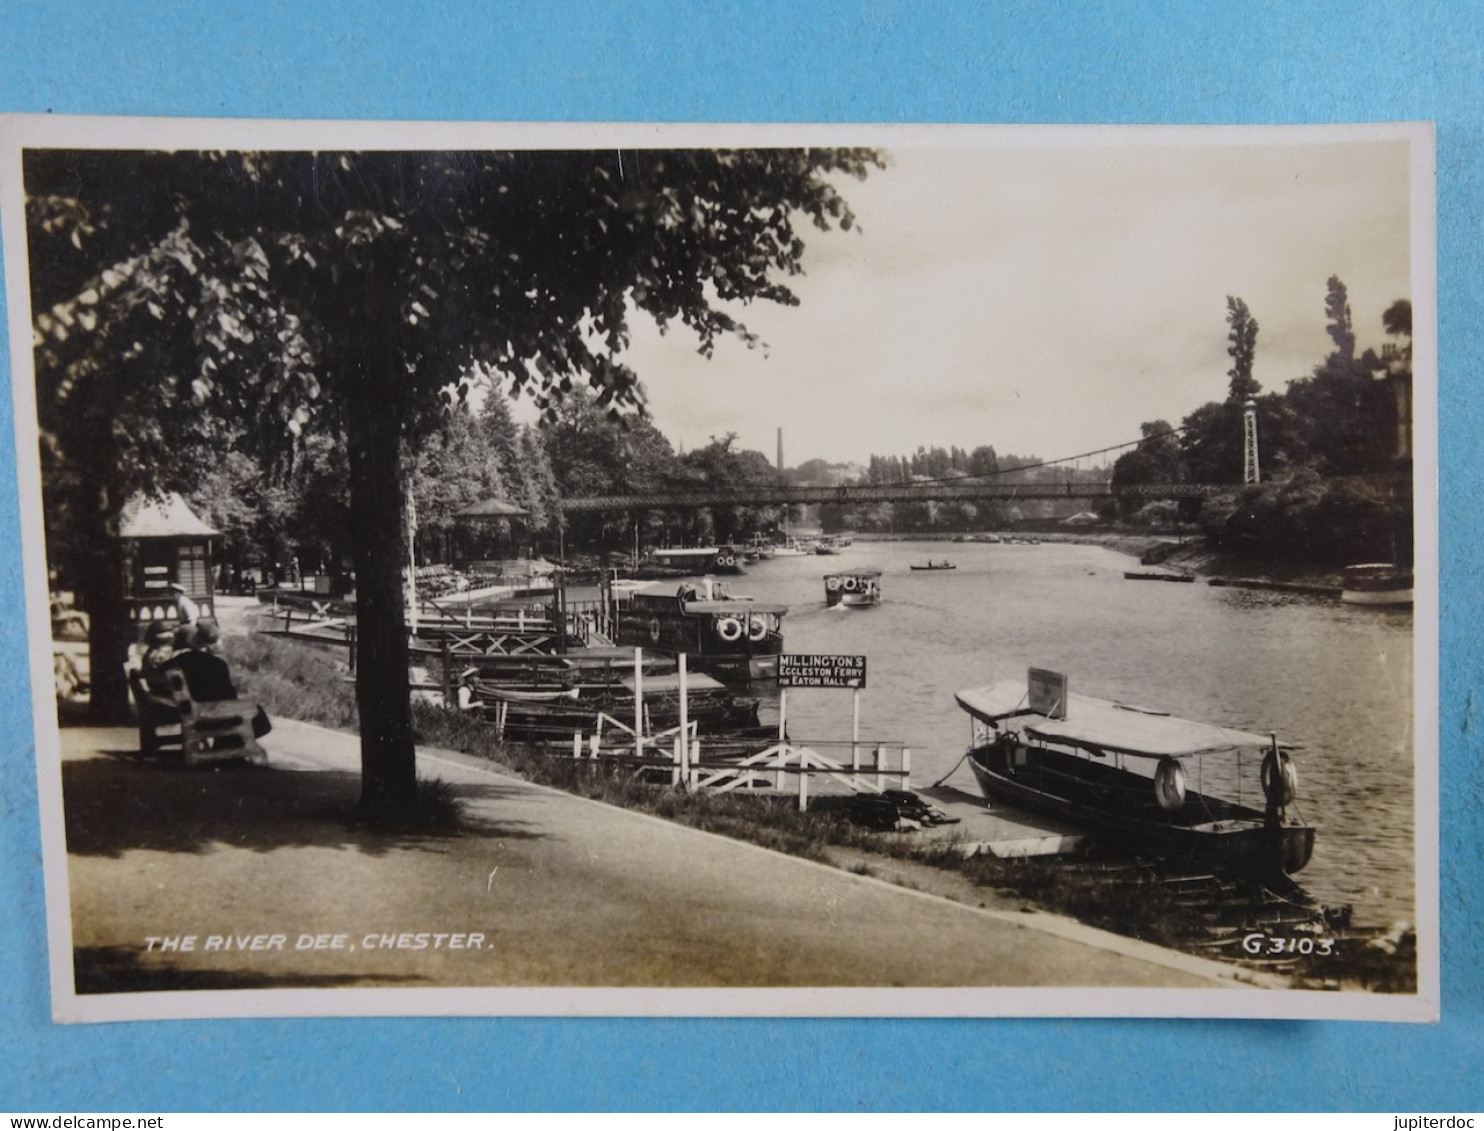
{"points": [[1347, 416], [1337, 325], [356, 292], [1397, 318], [720, 465], [1242, 346], [1155, 461]]}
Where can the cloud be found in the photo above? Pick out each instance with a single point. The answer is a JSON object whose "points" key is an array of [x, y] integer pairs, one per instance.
{"points": [[1047, 299]]}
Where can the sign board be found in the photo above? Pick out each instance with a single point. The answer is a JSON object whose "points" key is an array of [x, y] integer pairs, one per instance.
{"points": [[1047, 693], [821, 671]]}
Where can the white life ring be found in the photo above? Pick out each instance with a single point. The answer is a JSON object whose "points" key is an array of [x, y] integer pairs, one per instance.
{"points": [[850, 584], [1169, 785], [654, 630], [726, 560], [832, 583], [757, 628], [729, 629], [1279, 777]]}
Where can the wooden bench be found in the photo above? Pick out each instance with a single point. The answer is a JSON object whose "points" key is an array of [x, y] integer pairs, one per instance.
{"points": [[213, 731]]}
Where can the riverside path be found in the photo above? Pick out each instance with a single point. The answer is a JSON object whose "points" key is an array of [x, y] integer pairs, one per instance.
{"points": [[251, 879]]}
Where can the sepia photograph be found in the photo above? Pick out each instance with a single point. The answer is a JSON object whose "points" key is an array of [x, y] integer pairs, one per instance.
{"points": [[729, 570]]}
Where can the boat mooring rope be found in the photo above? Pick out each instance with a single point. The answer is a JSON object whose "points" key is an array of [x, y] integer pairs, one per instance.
{"points": [[949, 774]]}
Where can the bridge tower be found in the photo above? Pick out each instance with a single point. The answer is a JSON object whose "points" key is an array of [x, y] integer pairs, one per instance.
{"points": [[1250, 471]]}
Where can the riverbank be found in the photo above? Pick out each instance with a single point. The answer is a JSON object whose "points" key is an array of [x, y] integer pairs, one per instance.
{"points": [[1181, 553]]}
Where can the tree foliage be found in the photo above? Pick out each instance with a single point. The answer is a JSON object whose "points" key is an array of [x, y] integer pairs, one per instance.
{"points": [[357, 293], [1242, 346]]}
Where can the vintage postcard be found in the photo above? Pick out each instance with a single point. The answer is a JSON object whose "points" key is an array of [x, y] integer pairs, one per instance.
{"points": [[729, 570]]}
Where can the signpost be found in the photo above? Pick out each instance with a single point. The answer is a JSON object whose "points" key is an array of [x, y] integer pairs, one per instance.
{"points": [[1047, 693], [805, 670], [821, 671]]}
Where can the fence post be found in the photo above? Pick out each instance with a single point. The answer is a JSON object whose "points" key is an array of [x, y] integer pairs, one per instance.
{"points": [[855, 737], [803, 782], [684, 723], [880, 779], [906, 767], [782, 721], [638, 702], [350, 636]]}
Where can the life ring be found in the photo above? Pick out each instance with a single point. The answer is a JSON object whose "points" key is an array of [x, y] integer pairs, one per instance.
{"points": [[1279, 777], [726, 560], [654, 630], [1169, 785], [832, 584], [757, 628], [850, 584], [729, 629]]}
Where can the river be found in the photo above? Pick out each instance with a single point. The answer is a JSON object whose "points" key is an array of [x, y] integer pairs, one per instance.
{"points": [[1335, 679]]}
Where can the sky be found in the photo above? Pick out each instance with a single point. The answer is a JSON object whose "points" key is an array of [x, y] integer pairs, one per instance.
{"points": [[1048, 298]]}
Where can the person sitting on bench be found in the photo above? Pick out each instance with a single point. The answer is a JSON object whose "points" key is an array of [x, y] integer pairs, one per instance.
{"points": [[208, 677]]}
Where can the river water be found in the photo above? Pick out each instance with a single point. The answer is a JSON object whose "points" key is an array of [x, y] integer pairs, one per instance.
{"points": [[1335, 679]]}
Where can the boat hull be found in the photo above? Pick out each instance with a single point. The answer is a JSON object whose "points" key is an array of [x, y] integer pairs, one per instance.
{"points": [[1377, 585], [1376, 596], [1121, 806]]}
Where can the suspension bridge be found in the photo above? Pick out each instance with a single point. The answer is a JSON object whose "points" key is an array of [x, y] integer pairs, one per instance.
{"points": [[1036, 481]]}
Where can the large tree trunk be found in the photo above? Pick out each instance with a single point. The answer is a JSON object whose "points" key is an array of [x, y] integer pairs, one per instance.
{"points": [[388, 756], [100, 584]]}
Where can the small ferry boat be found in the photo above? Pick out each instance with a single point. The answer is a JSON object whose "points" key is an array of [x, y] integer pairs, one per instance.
{"points": [[694, 561], [1122, 771], [1376, 583], [944, 564], [729, 637], [792, 548], [853, 588]]}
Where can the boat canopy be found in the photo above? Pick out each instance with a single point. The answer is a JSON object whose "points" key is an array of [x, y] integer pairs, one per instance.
{"points": [[735, 607], [695, 683], [1099, 725], [858, 571]]}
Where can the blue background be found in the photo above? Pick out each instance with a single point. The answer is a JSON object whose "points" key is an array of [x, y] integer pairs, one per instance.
{"points": [[891, 61]]}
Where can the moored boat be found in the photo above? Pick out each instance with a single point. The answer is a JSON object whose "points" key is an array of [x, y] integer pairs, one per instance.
{"points": [[791, 548], [944, 564], [1376, 583], [853, 588], [1122, 771], [554, 716], [729, 637], [693, 561]]}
